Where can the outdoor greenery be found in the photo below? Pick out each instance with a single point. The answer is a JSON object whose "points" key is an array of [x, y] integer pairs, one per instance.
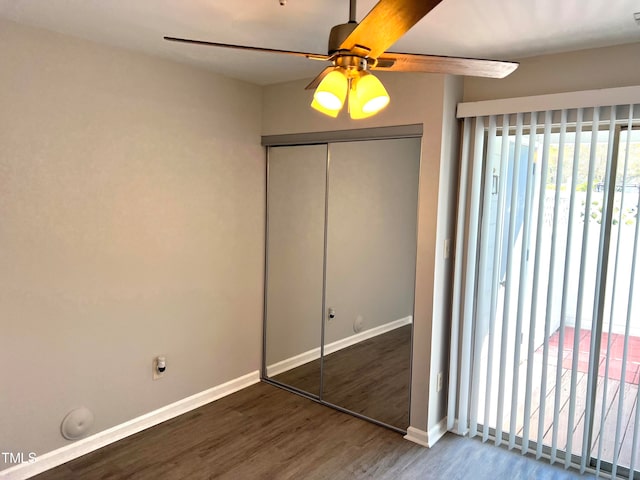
{"points": [[633, 168], [631, 183], [629, 214]]}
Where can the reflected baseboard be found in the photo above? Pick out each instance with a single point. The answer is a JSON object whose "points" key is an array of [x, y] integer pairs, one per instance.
{"points": [[314, 354], [292, 362]]}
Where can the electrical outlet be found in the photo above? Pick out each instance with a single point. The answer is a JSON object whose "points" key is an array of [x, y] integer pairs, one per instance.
{"points": [[439, 383], [159, 366], [358, 323], [447, 248]]}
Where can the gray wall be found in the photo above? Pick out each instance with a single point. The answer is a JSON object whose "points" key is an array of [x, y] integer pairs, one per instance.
{"points": [[131, 225]]}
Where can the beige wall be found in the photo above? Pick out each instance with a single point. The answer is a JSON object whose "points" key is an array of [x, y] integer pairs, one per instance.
{"points": [[590, 69], [415, 98], [131, 225]]}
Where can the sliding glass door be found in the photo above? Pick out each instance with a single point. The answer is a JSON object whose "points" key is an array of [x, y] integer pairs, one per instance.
{"points": [[548, 314], [614, 441]]}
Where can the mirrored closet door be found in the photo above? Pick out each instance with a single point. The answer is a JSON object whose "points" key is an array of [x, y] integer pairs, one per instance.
{"points": [[341, 257], [371, 260], [295, 265]]}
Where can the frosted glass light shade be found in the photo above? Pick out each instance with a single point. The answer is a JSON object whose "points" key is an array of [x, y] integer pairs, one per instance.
{"points": [[317, 106], [367, 96], [372, 94], [330, 95], [355, 106]]}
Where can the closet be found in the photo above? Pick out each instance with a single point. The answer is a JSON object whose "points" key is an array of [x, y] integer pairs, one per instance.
{"points": [[340, 273]]}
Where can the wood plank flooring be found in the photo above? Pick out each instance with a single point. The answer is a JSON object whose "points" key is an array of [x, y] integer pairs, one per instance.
{"points": [[263, 432], [371, 378]]}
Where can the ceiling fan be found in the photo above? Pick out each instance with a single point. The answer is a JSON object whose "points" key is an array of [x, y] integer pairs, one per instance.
{"points": [[355, 49]]}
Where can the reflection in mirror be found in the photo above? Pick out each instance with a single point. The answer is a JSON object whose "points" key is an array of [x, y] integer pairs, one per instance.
{"points": [[371, 260], [295, 262]]}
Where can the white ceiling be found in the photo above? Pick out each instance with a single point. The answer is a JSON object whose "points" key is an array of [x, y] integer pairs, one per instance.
{"points": [[501, 29]]}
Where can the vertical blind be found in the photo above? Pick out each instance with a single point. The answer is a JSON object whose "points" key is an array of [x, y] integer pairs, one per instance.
{"points": [[545, 343]]}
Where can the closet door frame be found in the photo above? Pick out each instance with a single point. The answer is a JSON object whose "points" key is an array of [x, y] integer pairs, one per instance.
{"points": [[327, 138]]}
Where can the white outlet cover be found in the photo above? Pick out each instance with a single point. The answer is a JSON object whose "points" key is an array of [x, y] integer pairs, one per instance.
{"points": [[358, 324], [156, 374]]}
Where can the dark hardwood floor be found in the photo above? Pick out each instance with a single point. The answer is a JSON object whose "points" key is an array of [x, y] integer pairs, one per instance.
{"points": [[371, 377], [264, 432]]}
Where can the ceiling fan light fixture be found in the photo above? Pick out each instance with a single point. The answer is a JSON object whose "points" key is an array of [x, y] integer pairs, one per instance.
{"points": [[371, 93], [367, 96], [331, 92], [317, 106], [355, 103]]}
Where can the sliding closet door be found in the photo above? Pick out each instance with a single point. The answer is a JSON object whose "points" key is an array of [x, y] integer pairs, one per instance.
{"points": [[295, 265], [371, 258]]}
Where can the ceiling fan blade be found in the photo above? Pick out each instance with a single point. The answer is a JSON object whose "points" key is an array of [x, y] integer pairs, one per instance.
{"points": [[316, 81], [387, 21], [312, 56], [475, 67]]}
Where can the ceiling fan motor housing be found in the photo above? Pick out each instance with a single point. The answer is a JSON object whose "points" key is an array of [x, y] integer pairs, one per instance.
{"points": [[339, 34], [351, 63]]}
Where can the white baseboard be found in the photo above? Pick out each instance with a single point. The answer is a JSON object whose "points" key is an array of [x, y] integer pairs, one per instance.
{"points": [[418, 436], [69, 452], [427, 439], [314, 354], [437, 432]]}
